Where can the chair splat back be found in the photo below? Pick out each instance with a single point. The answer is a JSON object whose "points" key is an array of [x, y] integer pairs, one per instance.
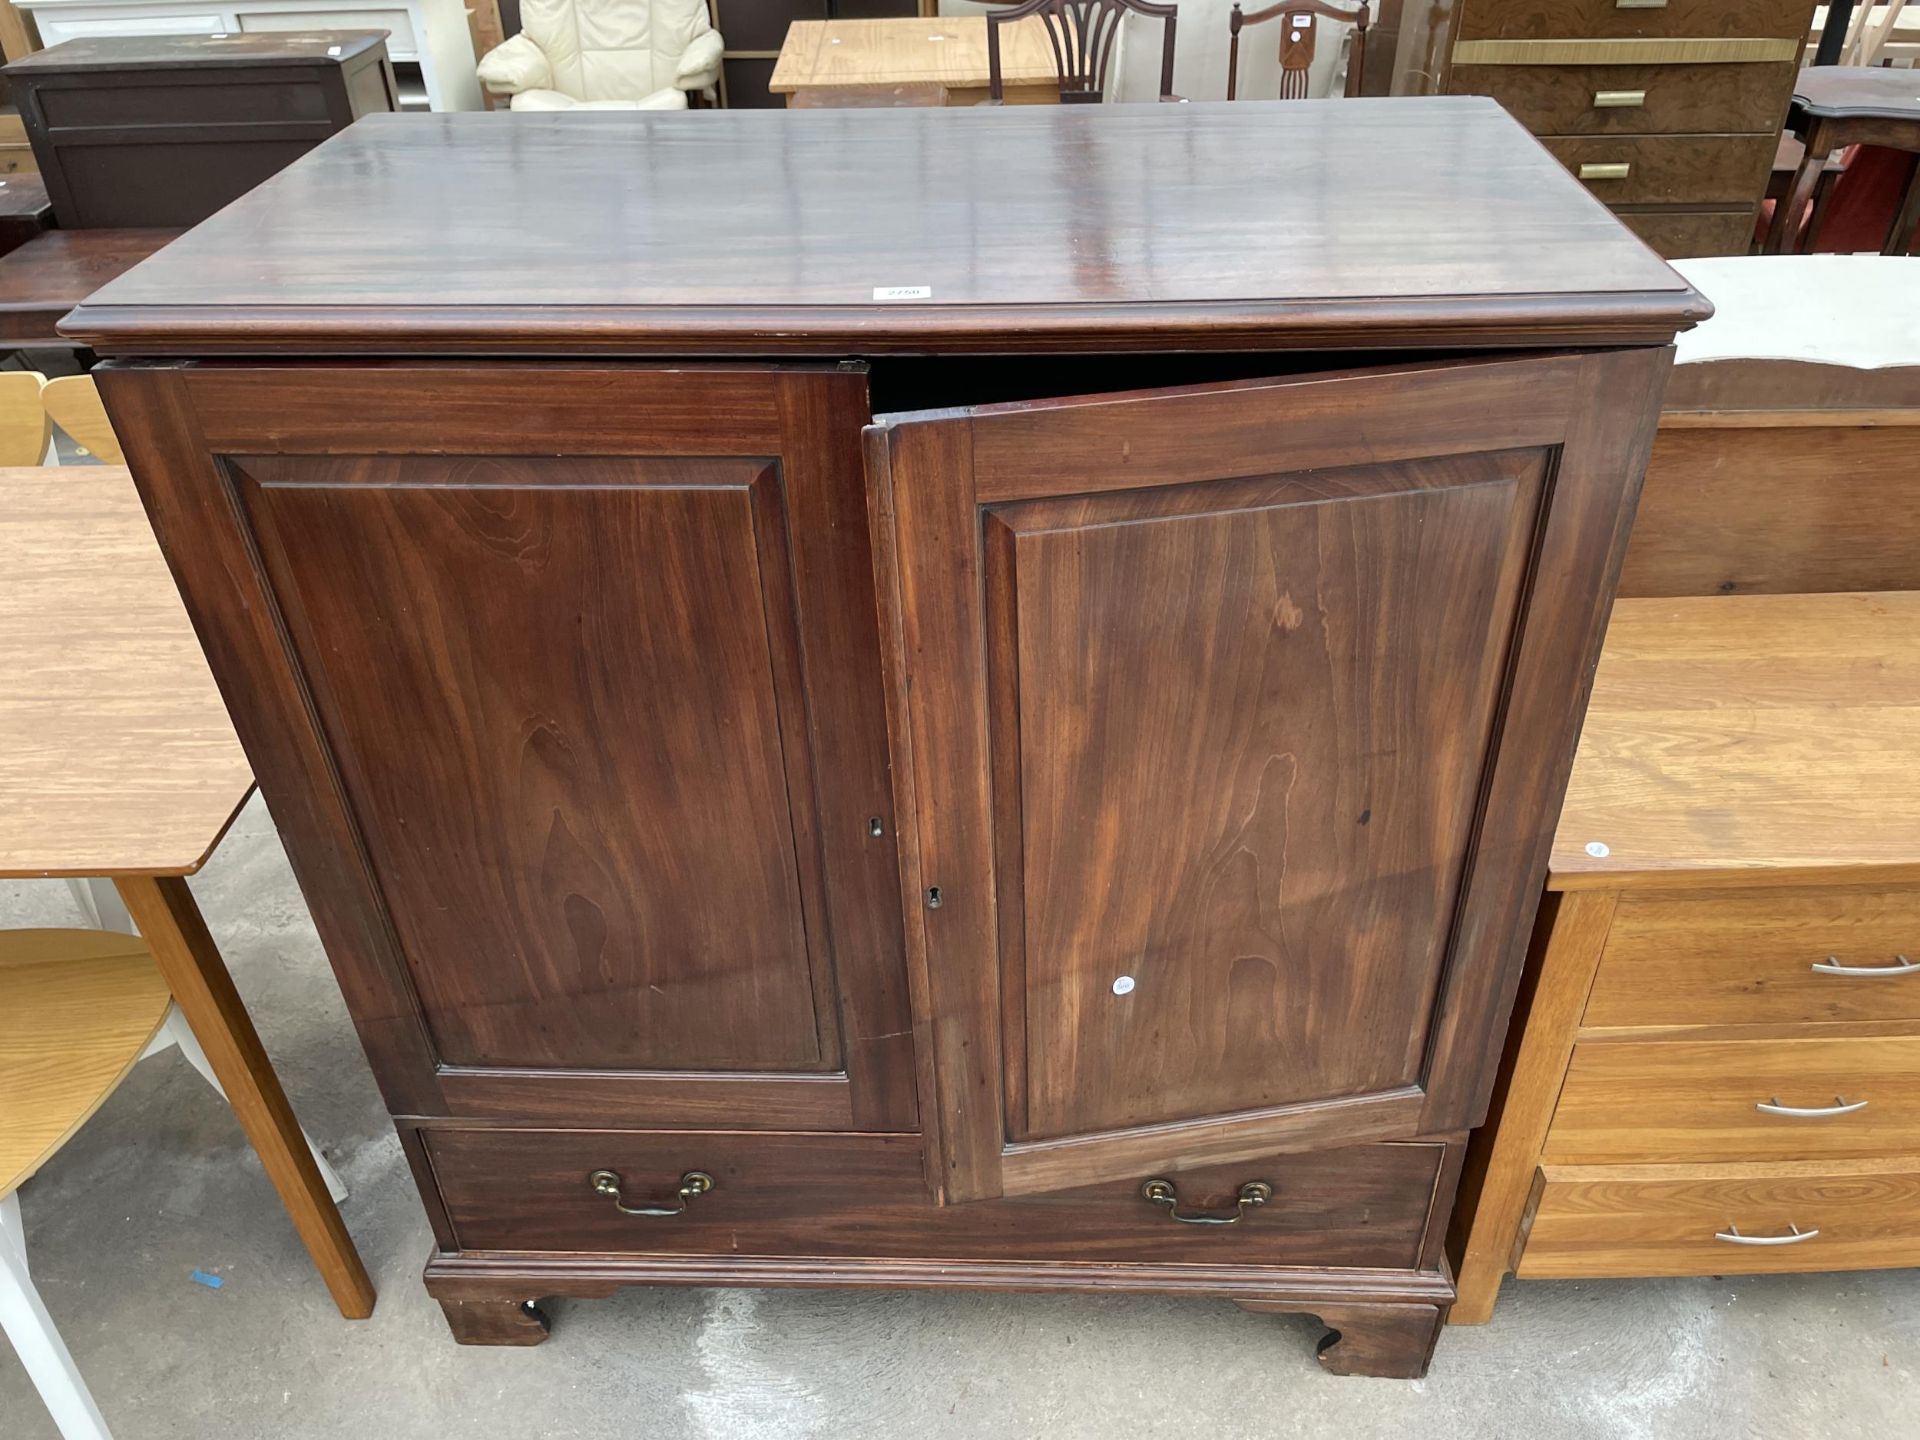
{"points": [[1297, 34], [1082, 33]]}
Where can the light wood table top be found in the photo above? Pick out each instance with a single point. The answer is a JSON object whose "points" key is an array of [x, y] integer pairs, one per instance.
{"points": [[116, 755], [1749, 739], [949, 51]]}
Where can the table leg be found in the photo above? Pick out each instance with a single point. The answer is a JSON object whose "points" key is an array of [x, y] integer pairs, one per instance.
{"points": [[1780, 236], [170, 923], [1901, 236]]}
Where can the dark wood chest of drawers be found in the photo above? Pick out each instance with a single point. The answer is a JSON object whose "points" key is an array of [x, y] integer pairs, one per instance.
{"points": [[1669, 111], [973, 725]]}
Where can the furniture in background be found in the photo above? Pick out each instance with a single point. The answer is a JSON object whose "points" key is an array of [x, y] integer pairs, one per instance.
{"points": [[161, 131], [47, 276], [25, 210], [1670, 113], [807, 972], [1299, 37], [73, 403], [1081, 35], [756, 31], [16, 153], [117, 759], [25, 430], [648, 55], [1837, 106], [849, 59], [425, 38]]}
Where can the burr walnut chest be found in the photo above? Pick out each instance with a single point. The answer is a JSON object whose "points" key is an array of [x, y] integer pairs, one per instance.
{"points": [[913, 698]]}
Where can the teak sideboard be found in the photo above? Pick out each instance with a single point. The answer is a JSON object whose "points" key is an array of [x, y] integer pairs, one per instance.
{"points": [[897, 698]]}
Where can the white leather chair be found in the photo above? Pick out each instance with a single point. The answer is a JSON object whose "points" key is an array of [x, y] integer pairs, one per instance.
{"points": [[606, 55]]}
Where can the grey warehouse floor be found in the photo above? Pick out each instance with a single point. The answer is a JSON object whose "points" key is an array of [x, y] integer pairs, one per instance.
{"points": [[161, 1183]]}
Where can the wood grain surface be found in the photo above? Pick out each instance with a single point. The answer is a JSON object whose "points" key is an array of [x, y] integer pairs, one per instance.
{"points": [[116, 755], [1749, 739], [1676, 99], [1609, 19], [949, 51], [46, 277], [1027, 226]]}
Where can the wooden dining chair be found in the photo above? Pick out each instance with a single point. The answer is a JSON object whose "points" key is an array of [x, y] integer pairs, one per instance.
{"points": [[73, 403], [1082, 32], [24, 431], [1297, 36]]}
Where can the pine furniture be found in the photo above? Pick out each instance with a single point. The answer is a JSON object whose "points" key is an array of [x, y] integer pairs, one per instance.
{"points": [[974, 722], [847, 57]]}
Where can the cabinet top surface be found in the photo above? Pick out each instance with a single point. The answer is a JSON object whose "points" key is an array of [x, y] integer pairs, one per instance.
{"points": [[1289, 224], [1732, 739], [197, 52]]}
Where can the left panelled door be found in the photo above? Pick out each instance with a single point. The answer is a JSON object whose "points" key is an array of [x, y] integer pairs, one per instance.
{"points": [[562, 683]]}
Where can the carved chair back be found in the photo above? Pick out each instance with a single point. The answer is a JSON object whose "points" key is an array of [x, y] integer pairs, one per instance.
{"points": [[1082, 32], [1301, 24]]}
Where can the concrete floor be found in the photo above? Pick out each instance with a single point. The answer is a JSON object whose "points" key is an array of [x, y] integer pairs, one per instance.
{"points": [[161, 1182]]}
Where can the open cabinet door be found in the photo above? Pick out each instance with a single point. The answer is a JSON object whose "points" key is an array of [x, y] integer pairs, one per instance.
{"points": [[1230, 727]]}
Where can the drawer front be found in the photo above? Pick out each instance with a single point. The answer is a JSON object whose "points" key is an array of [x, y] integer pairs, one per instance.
{"points": [[1750, 959], [1678, 234], [1636, 99], [1666, 1220], [1695, 1101], [1633, 19], [1670, 169], [844, 1195]]}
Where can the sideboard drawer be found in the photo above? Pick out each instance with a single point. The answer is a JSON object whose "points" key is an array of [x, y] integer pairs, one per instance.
{"points": [[1749, 958], [1633, 19], [792, 1194], [1635, 99], [1665, 169], [1654, 1100], [1676, 234], [1668, 1220]]}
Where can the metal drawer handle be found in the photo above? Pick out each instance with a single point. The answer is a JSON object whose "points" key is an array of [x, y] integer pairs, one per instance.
{"points": [[1839, 1107], [1832, 966], [694, 1182], [1794, 1236], [1639, 4], [1619, 99], [1611, 170], [1253, 1195]]}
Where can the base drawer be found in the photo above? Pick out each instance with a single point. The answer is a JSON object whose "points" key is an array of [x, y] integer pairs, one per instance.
{"points": [[1699, 1101], [842, 1195], [1669, 169], [1679, 234], [1749, 958], [1668, 1220]]}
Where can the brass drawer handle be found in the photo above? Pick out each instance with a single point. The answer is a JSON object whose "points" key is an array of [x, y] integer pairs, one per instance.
{"points": [[694, 1182], [1832, 966], [1612, 170], [1639, 4], [1839, 1107], [1619, 99], [1794, 1236], [1253, 1195]]}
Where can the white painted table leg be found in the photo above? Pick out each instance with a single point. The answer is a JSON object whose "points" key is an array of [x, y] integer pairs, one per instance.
{"points": [[41, 1350]]}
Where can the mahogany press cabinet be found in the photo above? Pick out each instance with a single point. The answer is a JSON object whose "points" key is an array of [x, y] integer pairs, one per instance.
{"points": [[898, 698]]}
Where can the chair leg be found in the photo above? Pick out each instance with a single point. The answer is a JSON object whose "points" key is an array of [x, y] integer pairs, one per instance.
{"points": [[175, 1031], [42, 1352]]}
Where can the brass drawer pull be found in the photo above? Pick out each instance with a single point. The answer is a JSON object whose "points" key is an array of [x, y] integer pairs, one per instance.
{"points": [[1794, 1236], [1839, 1107], [1619, 99], [1611, 170], [694, 1182], [1639, 4], [1901, 966], [1253, 1195]]}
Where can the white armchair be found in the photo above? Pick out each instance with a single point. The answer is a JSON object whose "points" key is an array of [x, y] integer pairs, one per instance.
{"points": [[606, 55]]}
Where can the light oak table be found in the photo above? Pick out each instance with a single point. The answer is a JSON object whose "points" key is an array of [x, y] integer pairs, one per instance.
{"points": [[944, 60], [117, 760]]}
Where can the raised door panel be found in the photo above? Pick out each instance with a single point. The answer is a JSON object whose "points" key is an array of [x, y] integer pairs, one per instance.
{"points": [[557, 691], [1230, 727]]}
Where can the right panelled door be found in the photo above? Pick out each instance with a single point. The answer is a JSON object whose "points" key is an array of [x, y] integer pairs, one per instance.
{"points": [[1231, 724]]}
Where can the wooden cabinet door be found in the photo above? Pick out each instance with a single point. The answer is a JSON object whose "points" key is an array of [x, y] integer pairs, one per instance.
{"points": [[1230, 727], [563, 684]]}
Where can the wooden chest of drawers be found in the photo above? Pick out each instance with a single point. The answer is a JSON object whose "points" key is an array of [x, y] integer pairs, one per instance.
{"points": [[1689, 97], [1719, 1070], [902, 741]]}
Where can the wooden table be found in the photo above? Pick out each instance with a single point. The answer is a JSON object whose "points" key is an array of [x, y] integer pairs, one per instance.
{"points": [[50, 274], [944, 60], [1836, 106], [117, 759]]}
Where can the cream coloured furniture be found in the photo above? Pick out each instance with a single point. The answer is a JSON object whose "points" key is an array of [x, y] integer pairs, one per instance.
{"points": [[431, 34], [606, 55]]}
